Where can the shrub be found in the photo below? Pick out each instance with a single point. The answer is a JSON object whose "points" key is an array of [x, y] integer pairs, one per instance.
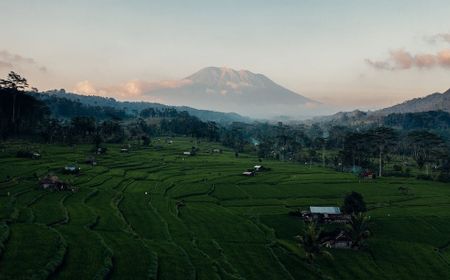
{"points": [[354, 203]]}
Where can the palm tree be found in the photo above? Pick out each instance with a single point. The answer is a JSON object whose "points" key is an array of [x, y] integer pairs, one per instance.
{"points": [[310, 242], [358, 229]]}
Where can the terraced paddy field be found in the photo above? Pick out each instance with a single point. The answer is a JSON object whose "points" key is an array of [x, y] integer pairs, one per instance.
{"points": [[126, 220]]}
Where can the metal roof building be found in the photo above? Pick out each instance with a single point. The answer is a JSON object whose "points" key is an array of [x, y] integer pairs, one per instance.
{"points": [[324, 210]]}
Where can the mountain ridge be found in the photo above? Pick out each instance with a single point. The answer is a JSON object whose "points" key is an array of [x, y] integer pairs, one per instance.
{"points": [[129, 106], [433, 102]]}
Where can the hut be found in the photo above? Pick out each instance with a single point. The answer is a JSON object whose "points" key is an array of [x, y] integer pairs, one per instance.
{"points": [[100, 151], [71, 169], [248, 173], [327, 214], [91, 161], [340, 241], [51, 182], [28, 154], [366, 175], [35, 155]]}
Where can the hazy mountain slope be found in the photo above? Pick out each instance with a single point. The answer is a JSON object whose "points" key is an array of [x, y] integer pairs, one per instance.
{"points": [[135, 107], [229, 90], [432, 102]]}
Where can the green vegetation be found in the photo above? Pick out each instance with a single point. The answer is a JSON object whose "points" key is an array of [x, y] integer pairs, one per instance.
{"points": [[154, 213]]}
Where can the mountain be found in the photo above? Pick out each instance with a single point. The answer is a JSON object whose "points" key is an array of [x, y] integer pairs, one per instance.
{"points": [[135, 107], [433, 102], [228, 90]]}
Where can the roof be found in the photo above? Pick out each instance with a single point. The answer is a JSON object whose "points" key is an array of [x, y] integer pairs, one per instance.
{"points": [[324, 210], [70, 167], [50, 180]]}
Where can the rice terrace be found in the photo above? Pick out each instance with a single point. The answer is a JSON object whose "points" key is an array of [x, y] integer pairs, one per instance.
{"points": [[158, 214], [225, 140]]}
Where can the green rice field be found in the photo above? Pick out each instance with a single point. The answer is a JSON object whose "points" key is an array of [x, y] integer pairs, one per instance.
{"points": [[154, 213]]}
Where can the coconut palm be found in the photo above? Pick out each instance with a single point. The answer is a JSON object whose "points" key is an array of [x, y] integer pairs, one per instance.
{"points": [[310, 242], [358, 229]]}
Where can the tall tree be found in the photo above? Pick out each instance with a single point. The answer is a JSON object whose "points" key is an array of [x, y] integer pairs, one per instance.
{"points": [[426, 148], [384, 138], [17, 84]]}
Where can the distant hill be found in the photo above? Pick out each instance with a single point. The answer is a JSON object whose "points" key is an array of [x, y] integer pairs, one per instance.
{"points": [[343, 118], [433, 102], [134, 108], [417, 112], [228, 90]]}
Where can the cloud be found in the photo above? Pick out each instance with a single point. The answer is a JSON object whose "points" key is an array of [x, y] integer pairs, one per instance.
{"points": [[444, 58], [11, 60], [4, 64], [402, 60], [440, 37], [133, 89]]}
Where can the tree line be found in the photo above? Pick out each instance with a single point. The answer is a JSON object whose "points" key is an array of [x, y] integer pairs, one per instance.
{"points": [[59, 120]]}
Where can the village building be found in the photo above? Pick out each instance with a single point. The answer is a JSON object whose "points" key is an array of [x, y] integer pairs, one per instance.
{"points": [[101, 151], [72, 169], [366, 175], [341, 241], [328, 214], [28, 154], [248, 173], [91, 161], [35, 155], [258, 167], [53, 183]]}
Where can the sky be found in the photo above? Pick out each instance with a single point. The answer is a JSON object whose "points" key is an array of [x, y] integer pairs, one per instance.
{"points": [[349, 54]]}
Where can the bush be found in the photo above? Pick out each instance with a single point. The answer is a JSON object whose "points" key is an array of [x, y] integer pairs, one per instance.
{"points": [[354, 203]]}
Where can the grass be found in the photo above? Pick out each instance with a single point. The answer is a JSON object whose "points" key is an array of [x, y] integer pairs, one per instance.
{"points": [[155, 214]]}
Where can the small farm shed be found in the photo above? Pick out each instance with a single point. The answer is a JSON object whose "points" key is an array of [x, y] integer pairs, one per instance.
{"points": [[101, 151], [325, 214], [71, 168], [328, 210], [258, 168], [91, 161], [341, 241], [52, 182]]}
